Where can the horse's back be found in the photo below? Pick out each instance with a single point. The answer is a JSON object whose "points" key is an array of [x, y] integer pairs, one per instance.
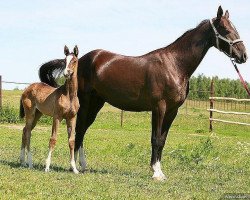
{"points": [[41, 89], [39, 95], [120, 80]]}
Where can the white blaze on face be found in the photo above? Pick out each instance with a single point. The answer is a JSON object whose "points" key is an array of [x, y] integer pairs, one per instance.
{"points": [[68, 59]]}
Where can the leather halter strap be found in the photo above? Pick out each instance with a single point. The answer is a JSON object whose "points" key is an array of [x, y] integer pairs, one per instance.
{"points": [[228, 41]]}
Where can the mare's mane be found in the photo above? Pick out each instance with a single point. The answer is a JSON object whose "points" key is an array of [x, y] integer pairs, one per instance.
{"points": [[190, 30]]}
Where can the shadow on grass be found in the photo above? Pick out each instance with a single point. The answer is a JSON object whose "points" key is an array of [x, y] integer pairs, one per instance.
{"points": [[114, 172], [36, 167], [55, 168]]}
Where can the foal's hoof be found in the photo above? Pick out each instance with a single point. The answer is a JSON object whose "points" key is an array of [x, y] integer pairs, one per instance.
{"points": [[46, 169], [75, 171]]}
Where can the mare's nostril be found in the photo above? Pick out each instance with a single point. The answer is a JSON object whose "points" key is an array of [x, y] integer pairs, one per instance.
{"points": [[244, 57]]}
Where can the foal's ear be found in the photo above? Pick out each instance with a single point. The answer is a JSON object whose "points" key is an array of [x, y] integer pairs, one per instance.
{"points": [[76, 51], [226, 14], [219, 12], [66, 50]]}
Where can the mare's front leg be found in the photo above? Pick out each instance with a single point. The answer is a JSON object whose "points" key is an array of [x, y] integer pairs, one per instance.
{"points": [[71, 123], [52, 141], [156, 140]]}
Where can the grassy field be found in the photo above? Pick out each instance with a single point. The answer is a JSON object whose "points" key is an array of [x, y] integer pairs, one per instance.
{"points": [[198, 164]]}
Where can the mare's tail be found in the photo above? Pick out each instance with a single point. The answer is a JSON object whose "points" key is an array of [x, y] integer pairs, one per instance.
{"points": [[50, 71], [21, 110]]}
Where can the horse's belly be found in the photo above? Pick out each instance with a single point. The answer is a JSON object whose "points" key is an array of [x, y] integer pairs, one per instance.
{"points": [[127, 101]]}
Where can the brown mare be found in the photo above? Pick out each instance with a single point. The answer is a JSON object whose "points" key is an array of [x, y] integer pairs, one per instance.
{"points": [[157, 81], [59, 103]]}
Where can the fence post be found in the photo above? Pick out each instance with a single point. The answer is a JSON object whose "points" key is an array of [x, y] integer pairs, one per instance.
{"points": [[122, 118], [0, 91], [211, 105]]}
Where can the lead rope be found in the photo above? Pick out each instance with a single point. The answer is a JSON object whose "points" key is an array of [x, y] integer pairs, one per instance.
{"points": [[241, 78]]}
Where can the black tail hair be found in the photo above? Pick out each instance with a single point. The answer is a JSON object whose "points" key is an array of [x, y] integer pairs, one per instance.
{"points": [[50, 71], [21, 110]]}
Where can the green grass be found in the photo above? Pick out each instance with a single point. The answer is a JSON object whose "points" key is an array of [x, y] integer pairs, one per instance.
{"points": [[198, 164]]}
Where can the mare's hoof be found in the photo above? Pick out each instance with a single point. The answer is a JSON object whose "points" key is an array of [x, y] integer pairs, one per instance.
{"points": [[46, 170], [23, 164], [159, 178]]}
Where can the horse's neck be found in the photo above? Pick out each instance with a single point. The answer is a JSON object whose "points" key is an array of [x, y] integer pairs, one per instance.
{"points": [[190, 49], [71, 86]]}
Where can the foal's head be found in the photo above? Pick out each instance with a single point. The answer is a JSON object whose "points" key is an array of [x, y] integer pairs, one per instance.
{"points": [[71, 61], [227, 38]]}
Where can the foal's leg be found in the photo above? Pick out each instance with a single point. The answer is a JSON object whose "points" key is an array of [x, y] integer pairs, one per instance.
{"points": [[157, 120], [26, 138], [52, 142], [22, 153], [71, 124]]}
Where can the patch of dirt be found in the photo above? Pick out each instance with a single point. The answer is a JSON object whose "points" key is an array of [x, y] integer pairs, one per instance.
{"points": [[20, 127]]}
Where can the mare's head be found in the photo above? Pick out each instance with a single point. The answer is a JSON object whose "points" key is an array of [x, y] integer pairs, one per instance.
{"points": [[227, 38], [71, 61]]}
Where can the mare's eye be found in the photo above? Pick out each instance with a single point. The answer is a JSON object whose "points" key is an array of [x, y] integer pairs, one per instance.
{"points": [[225, 31]]}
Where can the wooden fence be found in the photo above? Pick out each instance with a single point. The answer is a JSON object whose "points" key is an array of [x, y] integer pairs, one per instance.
{"points": [[212, 109]]}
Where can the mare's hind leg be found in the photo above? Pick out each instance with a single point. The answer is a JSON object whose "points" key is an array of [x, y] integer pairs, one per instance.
{"points": [[90, 106], [71, 124], [52, 142]]}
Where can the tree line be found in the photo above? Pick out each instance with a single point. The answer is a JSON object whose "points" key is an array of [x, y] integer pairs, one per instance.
{"points": [[200, 87]]}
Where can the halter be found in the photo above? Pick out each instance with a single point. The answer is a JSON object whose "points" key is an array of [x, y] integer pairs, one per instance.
{"points": [[228, 41]]}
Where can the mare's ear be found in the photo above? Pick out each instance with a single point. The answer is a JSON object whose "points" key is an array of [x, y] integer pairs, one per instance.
{"points": [[226, 14], [219, 12], [66, 50], [76, 51]]}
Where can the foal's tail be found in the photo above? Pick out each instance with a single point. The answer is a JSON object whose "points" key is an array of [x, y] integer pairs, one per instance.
{"points": [[21, 110], [50, 71]]}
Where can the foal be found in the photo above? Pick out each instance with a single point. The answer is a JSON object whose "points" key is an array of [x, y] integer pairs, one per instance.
{"points": [[60, 103]]}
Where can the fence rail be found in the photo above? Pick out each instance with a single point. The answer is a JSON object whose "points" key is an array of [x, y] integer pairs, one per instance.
{"points": [[229, 122], [229, 98], [228, 112], [212, 109], [18, 83]]}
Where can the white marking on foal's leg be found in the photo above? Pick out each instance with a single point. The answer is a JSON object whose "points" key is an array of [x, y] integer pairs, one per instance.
{"points": [[82, 159], [30, 159], [158, 174], [73, 166], [22, 157], [48, 161]]}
